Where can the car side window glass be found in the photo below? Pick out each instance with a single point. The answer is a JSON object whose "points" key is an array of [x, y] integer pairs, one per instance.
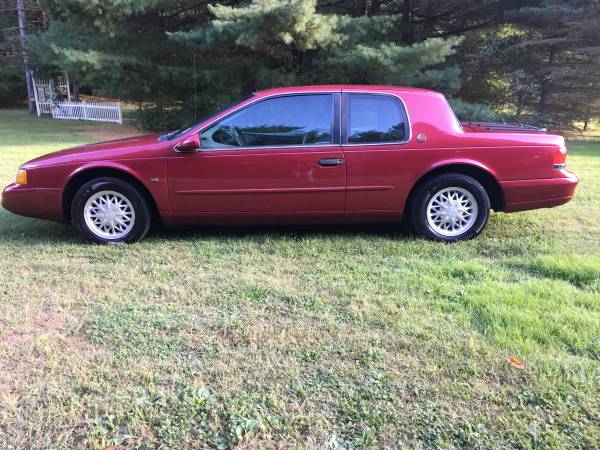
{"points": [[276, 122], [376, 118]]}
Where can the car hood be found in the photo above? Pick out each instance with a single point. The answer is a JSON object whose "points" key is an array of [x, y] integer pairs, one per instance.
{"points": [[128, 148]]}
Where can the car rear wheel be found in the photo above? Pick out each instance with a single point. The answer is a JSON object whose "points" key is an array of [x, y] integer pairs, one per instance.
{"points": [[450, 207], [110, 211]]}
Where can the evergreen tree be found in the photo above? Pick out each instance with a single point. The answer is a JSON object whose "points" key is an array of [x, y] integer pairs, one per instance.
{"points": [[286, 42], [197, 57], [119, 47], [540, 62], [13, 88], [562, 44], [536, 59]]}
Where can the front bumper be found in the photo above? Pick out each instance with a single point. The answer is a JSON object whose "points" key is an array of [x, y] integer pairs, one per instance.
{"points": [[42, 203], [521, 195]]}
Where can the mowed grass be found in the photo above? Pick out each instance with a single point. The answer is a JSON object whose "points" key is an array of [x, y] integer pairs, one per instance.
{"points": [[320, 337]]}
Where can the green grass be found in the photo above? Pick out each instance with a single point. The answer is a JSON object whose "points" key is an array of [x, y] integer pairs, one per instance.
{"points": [[322, 337]]}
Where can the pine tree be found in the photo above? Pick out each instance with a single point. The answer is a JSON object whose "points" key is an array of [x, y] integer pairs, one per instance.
{"points": [[535, 59], [287, 42], [155, 51], [18, 18], [543, 62]]}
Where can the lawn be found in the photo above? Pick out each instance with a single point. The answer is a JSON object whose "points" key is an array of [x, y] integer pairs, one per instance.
{"points": [[321, 337]]}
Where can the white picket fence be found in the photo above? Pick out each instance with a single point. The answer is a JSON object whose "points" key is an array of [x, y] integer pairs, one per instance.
{"points": [[45, 89], [99, 112]]}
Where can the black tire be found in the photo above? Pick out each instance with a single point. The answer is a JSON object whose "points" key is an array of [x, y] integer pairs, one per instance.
{"points": [[431, 187], [142, 217]]}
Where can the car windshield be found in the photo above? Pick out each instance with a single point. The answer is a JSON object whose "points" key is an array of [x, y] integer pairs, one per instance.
{"points": [[181, 131]]}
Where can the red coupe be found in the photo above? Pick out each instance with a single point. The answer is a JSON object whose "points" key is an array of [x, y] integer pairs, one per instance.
{"points": [[316, 154]]}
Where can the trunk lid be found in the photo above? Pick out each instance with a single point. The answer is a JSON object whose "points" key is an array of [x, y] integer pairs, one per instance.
{"points": [[500, 127]]}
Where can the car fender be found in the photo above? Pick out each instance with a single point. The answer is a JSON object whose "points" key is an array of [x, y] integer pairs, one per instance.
{"points": [[157, 189], [107, 165], [456, 162], [438, 166]]}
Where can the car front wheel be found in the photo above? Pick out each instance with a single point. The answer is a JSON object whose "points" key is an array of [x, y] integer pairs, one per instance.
{"points": [[450, 207], [110, 211]]}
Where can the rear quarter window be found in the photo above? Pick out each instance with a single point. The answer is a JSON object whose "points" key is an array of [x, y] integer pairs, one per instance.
{"points": [[376, 118]]}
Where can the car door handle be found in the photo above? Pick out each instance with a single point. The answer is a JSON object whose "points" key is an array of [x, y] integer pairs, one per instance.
{"points": [[328, 162]]}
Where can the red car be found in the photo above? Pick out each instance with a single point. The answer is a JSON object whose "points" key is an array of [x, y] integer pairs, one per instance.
{"points": [[316, 154]]}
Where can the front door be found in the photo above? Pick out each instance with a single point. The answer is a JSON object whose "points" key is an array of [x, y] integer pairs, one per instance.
{"points": [[278, 158]]}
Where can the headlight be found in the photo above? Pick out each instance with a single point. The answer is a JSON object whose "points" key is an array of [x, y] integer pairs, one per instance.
{"points": [[21, 176]]}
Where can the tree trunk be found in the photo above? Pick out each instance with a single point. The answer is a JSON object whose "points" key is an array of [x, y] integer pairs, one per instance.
{"points": [[23, 39], [75, 91], [586, 119], [546, 82], [519, 105], [407, 26], [359, 8], [248, 85], [375, 8], [306, 61]]}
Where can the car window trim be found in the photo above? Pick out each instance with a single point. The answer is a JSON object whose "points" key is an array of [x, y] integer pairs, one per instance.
{"points": [[335, 123], [344, 119]]}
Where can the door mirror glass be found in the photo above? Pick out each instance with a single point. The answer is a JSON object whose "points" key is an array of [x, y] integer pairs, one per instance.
{"points": [[189, 144]]}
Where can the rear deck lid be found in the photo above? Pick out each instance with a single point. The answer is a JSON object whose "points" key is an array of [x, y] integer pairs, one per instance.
{"points": [[499, 127]]}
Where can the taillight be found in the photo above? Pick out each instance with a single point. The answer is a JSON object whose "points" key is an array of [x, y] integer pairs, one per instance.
{"points": [[560, 158]]}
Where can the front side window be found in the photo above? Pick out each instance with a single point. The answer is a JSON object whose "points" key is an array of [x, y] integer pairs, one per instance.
{"points": [[275, 122], [376, 118]]}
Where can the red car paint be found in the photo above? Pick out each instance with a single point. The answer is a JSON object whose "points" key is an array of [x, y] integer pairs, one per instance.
{"points": [[287, 184]]}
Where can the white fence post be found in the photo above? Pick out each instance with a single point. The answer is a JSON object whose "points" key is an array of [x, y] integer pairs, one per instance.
{"points": [[35, 94]]}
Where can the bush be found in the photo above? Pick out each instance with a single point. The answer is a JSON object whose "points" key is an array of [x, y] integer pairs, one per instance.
{"points": [[159, 118], [13, 89], [466, 111], [477, 112]]}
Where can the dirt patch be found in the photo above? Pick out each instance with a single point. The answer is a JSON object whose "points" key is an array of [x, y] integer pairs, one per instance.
{"points": [[44, 341]]}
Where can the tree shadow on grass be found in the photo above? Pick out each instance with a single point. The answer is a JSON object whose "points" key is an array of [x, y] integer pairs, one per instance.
{"points": [[393, 231], [23, 230]]}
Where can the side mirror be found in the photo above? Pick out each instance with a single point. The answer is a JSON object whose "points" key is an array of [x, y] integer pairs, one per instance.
{"points": [[189, 144]]}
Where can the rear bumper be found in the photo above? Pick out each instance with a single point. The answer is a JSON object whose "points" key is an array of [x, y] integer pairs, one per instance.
{"points": [[521, 195], [43, 203]]}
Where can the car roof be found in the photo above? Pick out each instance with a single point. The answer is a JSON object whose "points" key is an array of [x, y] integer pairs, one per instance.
{"points": [[344, 87]]}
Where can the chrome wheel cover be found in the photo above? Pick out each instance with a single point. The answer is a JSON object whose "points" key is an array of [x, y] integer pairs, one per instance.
{"points": [[452, 211], [109, 214]]}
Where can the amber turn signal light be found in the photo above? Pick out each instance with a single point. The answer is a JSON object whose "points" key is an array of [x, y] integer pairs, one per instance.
{"points": [[21, 177]]}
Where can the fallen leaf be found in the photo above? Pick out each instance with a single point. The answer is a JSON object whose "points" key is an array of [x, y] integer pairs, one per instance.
{"points": [[516, 362]]}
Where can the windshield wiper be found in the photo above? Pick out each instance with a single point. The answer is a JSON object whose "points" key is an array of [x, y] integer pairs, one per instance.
{"points": [[167, 136]]}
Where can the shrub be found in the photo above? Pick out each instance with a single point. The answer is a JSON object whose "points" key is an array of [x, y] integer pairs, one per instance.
{"points": [[159, 118], [474, 111], [13, 89]]}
